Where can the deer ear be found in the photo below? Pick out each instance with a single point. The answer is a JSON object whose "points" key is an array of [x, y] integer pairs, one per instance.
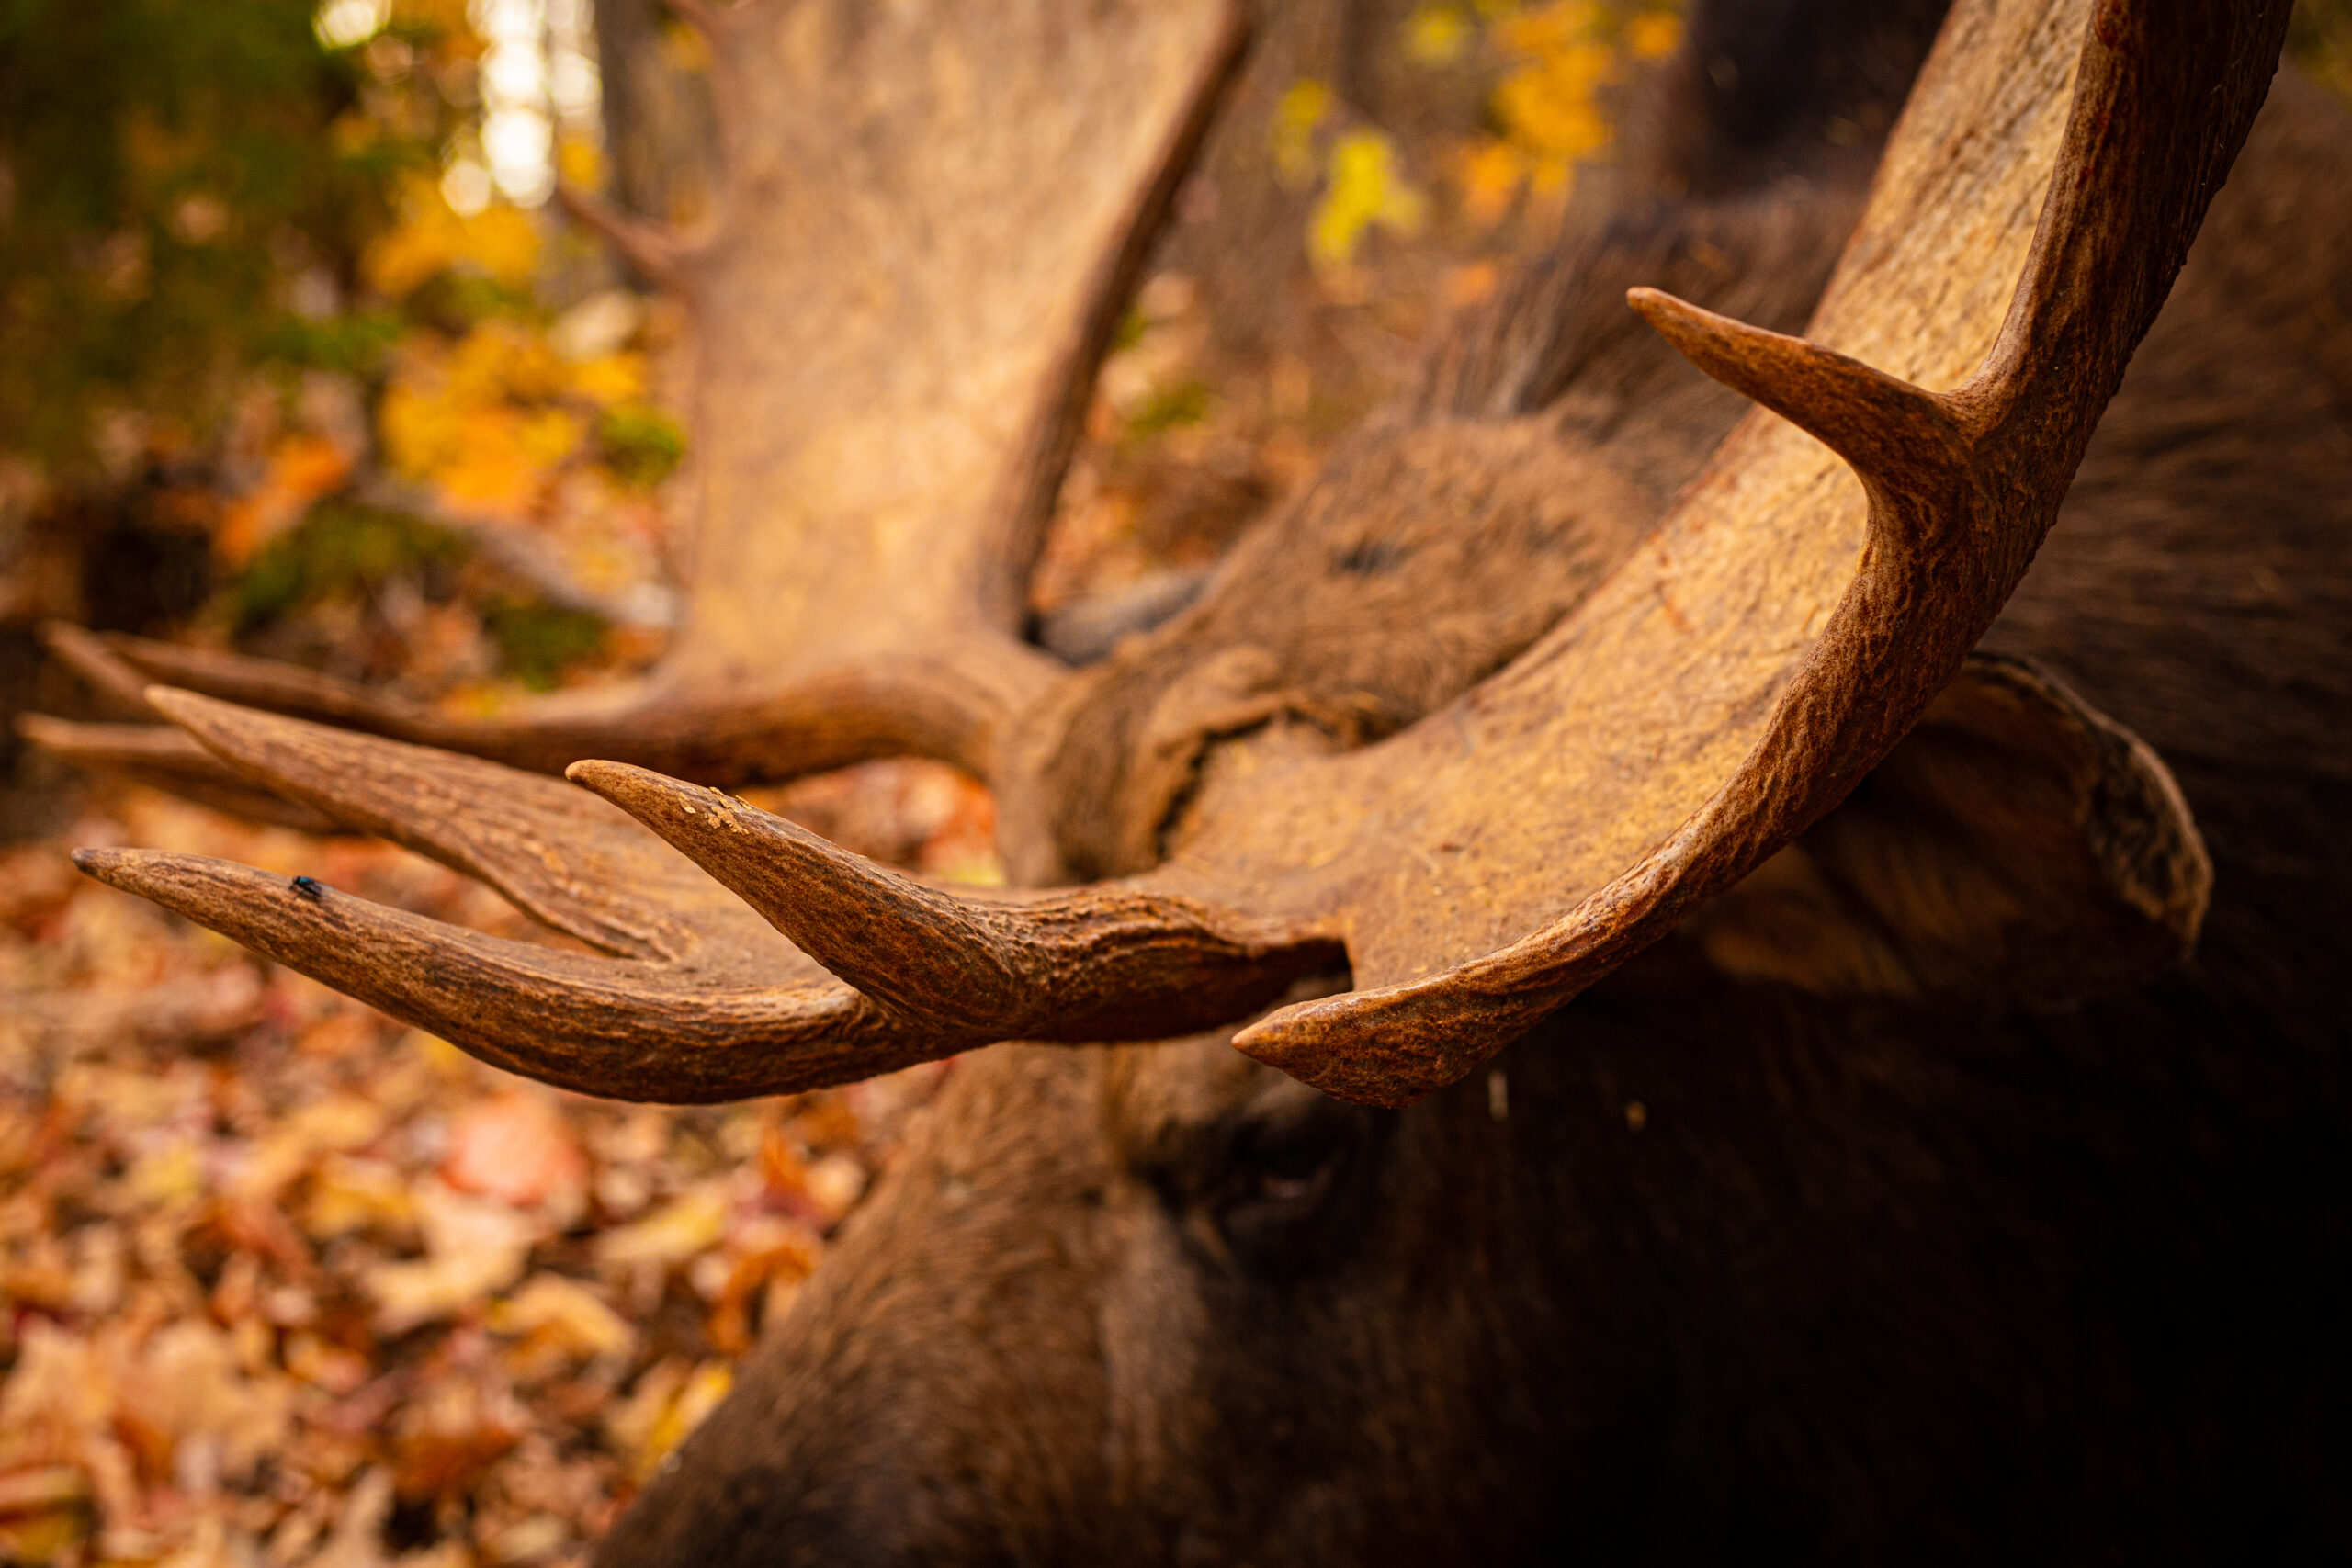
{"points": [[2017, 845]]}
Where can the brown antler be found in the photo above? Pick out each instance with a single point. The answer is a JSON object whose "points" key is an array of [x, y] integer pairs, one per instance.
{"points": [[1768, 644], [929, 219], [1772, 640], [698, 999]]}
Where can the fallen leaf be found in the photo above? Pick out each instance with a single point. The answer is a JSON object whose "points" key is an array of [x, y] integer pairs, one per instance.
{"points": [[515, 1148]]}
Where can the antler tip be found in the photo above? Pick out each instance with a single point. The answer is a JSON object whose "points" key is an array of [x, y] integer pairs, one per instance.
{"points": [[184, 707], [145, 873], [1892, 432], [634, 789]]}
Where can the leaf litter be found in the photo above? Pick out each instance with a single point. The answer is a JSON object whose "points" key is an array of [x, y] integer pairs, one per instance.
{"points": [[286, 1284]]}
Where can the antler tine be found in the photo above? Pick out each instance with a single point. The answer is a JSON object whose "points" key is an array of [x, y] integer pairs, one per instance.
{"points": [[952, 702], [699, 1000], [625, 1030], [162, 757], [90, 656], [1115, 962], [1906, 445]]}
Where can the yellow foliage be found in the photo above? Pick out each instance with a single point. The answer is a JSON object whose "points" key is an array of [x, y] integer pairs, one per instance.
{"points": [[610, 381], [579, 162], [432, 238], [1549, 106], [301, 469], [1305, 105], [478, 421], [1365, 189], [1653, 35], [1437, 34]]}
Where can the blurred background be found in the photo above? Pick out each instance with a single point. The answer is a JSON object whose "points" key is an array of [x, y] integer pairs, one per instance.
{"points": [[296, 357]]}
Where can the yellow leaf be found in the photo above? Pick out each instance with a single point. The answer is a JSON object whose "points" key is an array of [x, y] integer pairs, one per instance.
{"points": [[1365, 189], [1304, 106], [694, 1222], [566, 1314], [580, 162], [1653, 35], [610, 381], [1437, 34], [701, 1395]]}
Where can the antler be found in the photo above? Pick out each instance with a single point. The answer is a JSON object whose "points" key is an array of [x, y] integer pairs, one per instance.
{"points": [[697, 1000], [1769, 643], [928, 221], [1772, 640]]}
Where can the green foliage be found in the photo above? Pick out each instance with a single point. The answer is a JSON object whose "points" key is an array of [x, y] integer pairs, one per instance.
{"points": [[537, 641], [2319, 40], [1170, 408], [176, 177], [345, 550], [355, 344], [340, 549], [641, 444]]}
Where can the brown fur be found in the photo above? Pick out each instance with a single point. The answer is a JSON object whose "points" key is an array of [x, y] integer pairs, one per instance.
{"points": [[1704, 1268]]}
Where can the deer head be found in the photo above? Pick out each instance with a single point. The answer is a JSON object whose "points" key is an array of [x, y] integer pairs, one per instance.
{"points": [[1730, 713]]}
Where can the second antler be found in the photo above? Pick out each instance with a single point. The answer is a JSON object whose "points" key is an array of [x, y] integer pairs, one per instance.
{"points": [[929, 220]]}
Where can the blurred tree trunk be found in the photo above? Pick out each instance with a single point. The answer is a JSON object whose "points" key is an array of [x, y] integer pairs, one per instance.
{"points": [[660, 134]]}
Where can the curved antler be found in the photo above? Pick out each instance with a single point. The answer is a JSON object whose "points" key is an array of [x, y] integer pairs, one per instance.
{"points": [[694, 1000], [1772, 640], [929, 220], [1722, 688], [697, 998]]}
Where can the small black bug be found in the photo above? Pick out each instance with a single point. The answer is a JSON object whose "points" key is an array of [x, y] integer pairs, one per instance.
{"points": [[310, 887]]}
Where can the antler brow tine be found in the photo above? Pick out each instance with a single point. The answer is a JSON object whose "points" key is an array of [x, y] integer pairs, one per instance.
{"points": [[1113, 962]]}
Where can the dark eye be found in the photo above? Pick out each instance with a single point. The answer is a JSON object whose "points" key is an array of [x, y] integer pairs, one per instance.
{"points": [[1295, 1172], [1290, 1172]]}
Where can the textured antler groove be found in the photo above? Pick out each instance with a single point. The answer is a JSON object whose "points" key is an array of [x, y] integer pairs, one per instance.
{"points": [[1103, 962]]}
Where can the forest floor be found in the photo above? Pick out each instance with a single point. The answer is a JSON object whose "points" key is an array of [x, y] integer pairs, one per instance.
{"points": [[287, 1283]]}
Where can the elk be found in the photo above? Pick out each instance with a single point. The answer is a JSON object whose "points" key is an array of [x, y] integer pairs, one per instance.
{"points": [[1738, 1055]]}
